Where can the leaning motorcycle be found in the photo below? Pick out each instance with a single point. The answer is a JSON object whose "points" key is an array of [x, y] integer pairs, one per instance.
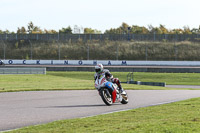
{"points": [[109, 92]]}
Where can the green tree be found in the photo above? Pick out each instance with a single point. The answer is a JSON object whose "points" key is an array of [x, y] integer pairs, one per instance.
{"points": [[50, 31], [177, 31], [186, 30], [7, 32], [163, 29], [139, 30], [151, 28], [195, 31], [21, 30], [67, 30], [113, 31], [91, 31], [154, 30], [124, 28], [37, 30], [32, 29]]}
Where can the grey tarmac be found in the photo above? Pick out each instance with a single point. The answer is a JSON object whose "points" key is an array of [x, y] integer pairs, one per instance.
{"points": [[20, 109], [184, 86]]}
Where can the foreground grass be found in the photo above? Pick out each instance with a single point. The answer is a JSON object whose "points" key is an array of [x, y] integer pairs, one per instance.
{"points": [[176, 117], [84, 80]]}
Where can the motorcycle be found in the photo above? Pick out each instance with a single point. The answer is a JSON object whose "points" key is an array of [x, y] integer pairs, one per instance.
{"points": [[109, 92]]}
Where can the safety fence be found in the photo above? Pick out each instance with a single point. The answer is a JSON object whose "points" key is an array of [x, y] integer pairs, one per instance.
{"points": [[102, 37], [97, 50]]}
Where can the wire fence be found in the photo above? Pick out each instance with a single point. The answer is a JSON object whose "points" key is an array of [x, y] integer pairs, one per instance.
{"points": [[100, 50], [102, 37]]}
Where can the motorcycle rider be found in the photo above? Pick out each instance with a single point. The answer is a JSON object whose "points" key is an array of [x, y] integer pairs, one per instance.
{"points": [[100, 71]]}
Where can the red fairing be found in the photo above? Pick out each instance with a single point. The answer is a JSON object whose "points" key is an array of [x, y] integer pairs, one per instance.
{"points": [[114, 94]]}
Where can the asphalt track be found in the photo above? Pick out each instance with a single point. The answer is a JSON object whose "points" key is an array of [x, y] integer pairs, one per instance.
{"points": [[20, 109], [184, 86]]}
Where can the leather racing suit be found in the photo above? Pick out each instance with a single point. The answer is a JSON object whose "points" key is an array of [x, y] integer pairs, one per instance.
{"points": [[109, 77]]}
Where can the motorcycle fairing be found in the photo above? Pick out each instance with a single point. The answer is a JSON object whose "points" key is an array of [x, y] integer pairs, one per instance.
{"points": [[114, 92]]}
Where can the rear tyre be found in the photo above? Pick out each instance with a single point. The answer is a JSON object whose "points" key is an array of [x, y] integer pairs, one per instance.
{"points": [[106, 97]]}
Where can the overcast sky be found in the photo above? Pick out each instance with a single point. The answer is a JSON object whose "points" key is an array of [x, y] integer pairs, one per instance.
{"points": [[98, 14]]}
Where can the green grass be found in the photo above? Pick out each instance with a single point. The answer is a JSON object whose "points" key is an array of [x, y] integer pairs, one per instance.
{"points": [[178, 117], [84, 80], [169, 78], [50, 81]]}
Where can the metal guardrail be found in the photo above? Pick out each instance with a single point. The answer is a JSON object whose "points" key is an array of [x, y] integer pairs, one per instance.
{"points": [[131, 81], [20, 70]]}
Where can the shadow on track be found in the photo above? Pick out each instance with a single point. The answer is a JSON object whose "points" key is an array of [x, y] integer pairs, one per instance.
{"points": [[77, 106]]}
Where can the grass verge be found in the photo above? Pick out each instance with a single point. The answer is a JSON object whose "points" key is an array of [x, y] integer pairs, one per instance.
{"points": [[84, 80], [175, 117]]}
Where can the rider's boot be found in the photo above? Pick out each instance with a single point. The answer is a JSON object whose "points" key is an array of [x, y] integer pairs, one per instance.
{"points": [[121, 90], [117, 81]]}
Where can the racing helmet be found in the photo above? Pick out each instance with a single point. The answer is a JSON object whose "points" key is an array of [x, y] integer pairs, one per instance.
{"points": [[99, 68]]}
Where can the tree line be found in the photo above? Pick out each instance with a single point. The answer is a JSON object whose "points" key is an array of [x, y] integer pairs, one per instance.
{"points": [[123, 29]]}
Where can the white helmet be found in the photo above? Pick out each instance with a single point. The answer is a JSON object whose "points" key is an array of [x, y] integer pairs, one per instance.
{"points": [[99, 68]]}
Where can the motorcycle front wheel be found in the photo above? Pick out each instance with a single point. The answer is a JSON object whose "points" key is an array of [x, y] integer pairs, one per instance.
{"points": [[106, 97]]}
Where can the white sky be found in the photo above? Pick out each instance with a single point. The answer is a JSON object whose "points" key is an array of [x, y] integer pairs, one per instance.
{"points": [[98, 14]]}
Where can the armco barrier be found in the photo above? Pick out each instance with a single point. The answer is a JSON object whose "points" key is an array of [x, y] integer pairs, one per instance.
{"points": [[116, 69], [20, 70], [163, 84], [127, 69]]}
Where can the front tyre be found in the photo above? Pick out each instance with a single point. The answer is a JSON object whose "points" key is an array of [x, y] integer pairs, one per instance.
{"points": [[106, 97]]}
